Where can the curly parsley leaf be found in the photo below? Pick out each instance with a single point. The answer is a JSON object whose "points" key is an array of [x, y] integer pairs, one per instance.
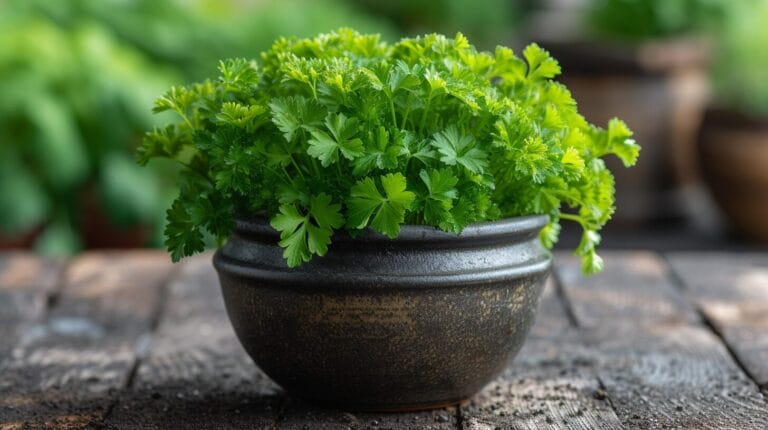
{"points": [[183, 236], [477, 135], [540, 64]]}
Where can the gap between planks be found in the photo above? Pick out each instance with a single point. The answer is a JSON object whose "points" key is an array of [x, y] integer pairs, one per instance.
{"points": [[698, 301], [68, 365], [660, 364], [563, 299], [143, 344]]}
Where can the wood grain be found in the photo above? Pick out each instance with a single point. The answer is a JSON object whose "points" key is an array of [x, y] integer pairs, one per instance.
{"points": [[27, 285], [634, 289], [659, 369], [732, 293], [551, 385], [107, 346], [64, 370], [196, 372], [299, 415]]}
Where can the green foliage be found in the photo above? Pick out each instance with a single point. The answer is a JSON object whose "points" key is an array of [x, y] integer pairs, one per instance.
{"points": [[646, 19], [191, 34], [346, 130], [78, 76], [741, 59], [73, 106]]}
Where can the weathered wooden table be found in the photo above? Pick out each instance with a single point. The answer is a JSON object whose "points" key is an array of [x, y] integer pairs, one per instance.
{"points": [[127, 340]]}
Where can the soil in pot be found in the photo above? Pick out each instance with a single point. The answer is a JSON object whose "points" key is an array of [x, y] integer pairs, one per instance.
{"points": [[733, 149], [417, 322]]}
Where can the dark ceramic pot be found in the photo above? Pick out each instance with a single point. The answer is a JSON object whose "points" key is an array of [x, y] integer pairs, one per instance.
{"points": [[421, 321]]}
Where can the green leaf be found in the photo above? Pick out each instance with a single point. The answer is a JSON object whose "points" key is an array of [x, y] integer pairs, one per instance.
{"points": [[165, 142], [441, 192], [403, 77], [387, 209], [457, 148], [478, 136], [620, 142], [326, 147], [591, 262], [183, 236], [550, 234], [304, 235], [380, 153], [291, 114], [540, 64], [249, 117]]}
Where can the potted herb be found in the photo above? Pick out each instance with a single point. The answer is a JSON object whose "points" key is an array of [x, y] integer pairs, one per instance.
{"points": [[733, 145], [385, 208], [646, 61]]}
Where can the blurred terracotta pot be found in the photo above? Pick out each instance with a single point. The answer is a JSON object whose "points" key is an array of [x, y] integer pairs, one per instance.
{"points": [[99, 231], [20, 240], [660, 89], [734, 161]]}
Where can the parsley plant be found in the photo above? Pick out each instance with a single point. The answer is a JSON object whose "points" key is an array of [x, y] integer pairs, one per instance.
{"points": [[346, 131]]}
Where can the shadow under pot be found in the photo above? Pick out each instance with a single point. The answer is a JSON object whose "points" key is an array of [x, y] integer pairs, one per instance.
{"points": [[417, 322], [733, 150]]}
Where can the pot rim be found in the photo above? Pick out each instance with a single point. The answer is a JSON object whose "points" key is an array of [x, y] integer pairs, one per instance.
{"points": [[258, 227], [411, 239], [735, 118]]}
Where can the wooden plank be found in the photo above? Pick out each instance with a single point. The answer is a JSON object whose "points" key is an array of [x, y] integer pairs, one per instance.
{"points": [[27, 284], [299, 416], [732, 292], [196, 372], [658, 369], [635, 289], [551, 384], [65, 369]]}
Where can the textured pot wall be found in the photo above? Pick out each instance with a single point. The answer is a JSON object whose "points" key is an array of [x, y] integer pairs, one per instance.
{"points": [[424, 320], [734, 162]]}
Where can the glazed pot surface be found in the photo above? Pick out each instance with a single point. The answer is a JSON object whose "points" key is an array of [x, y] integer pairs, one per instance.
{"points": [[420, 321]]}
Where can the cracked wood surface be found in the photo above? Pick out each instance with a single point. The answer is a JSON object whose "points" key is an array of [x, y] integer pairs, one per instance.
{"points": [[126, 340]]}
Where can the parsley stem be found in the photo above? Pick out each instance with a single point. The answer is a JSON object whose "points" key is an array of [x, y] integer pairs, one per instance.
{"points": [[315, 167], [296, 166], [392, 110], [405, 117], [195, 171], [572, 217], [564, 196], [424, 114]]}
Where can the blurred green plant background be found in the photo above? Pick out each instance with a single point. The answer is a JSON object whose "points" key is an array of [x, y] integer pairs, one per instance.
{"points": [[78, 78]]}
